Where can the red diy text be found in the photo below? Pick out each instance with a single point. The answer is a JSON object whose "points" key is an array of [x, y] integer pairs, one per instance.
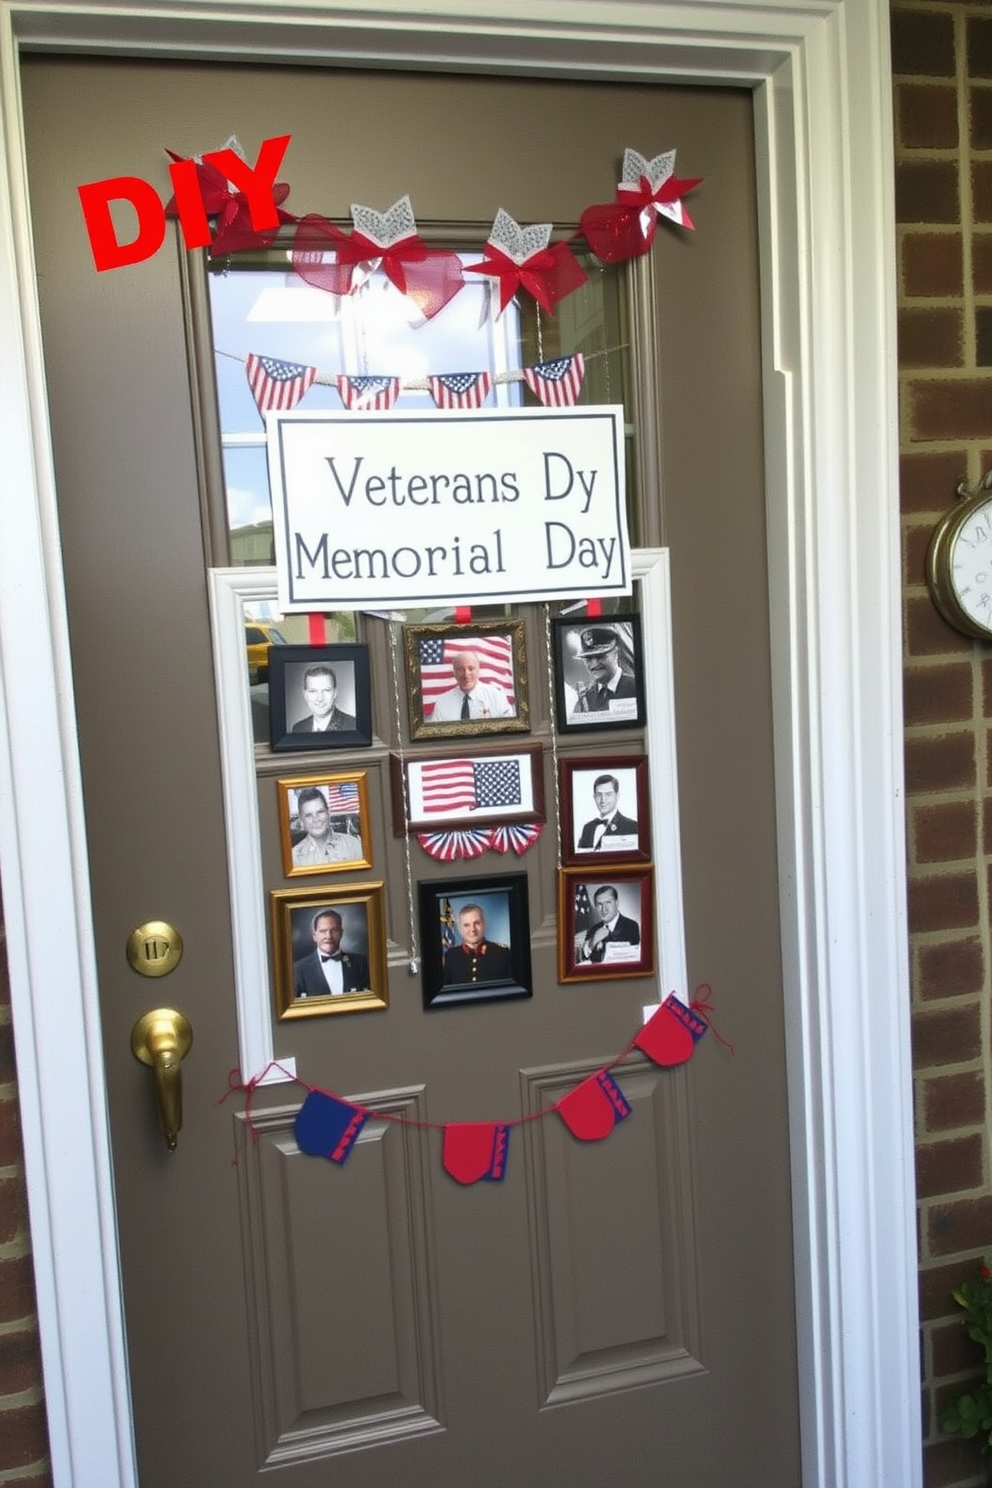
{"points": [[255, 182]]}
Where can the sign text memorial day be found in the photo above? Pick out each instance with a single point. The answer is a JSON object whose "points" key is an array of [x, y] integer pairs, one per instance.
{"points": [[374, 510]]}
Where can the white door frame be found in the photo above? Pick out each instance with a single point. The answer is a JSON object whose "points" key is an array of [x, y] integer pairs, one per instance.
{"points": [[820, 74]]}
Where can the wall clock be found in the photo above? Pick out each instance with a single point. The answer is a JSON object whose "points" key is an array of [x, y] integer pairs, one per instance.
{"points": [[959, 562]]}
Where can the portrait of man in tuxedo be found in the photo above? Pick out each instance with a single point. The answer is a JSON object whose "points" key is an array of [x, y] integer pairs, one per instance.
{"points": [[612, 936], [610, 830], [328, 970]]}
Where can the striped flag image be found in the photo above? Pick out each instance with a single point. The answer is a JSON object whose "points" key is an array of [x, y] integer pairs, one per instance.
{"points": [[278, 385], [368, 392], [460, 389], [557, 383], [342, 798], [467, 785]]}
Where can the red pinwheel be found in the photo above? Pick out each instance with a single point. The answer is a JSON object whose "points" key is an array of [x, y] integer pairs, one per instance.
{"points": [[234, 229], [523, 258], [624, 229]]}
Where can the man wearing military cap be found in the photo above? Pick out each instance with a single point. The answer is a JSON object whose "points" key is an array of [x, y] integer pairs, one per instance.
{"points": [[599, 648], [475, 959]]}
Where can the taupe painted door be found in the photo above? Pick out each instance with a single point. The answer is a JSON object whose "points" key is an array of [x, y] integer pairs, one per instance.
{"points": [[612, 1313]]}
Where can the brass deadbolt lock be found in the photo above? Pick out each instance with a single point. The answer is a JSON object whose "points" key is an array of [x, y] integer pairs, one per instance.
{"points": [[154, 948]]}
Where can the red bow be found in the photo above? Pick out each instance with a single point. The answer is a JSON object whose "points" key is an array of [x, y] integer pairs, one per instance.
{"points": [[548, 275], [430, 278], [615, 231]]}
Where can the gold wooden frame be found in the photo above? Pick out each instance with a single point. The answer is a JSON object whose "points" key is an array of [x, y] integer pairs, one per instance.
{"points": [[293, 911], [326, 783]]}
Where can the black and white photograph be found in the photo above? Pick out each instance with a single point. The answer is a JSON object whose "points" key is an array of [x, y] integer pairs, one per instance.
{"points": [[464, 680], [329, 950], [604, 809], [599, 680], [319, 697], [475, 939], [324, 823], [605, 924]]}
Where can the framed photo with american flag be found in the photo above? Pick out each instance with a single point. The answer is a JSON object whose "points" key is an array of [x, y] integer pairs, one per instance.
{"points": [[464, 680], [474, 939], [605, 923], [467, 788], [324, 823]]}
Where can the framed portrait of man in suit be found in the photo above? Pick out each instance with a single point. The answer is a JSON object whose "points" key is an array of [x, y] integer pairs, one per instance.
{"points": [[605, 924], [319, 697], [604, 810], [329, 950]]}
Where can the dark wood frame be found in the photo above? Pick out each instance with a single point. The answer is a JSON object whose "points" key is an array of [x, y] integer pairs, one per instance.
{"points": [[282, 661], [431, 893], [572, 820], [324, 782], [291, 910], [404, 766], [570, 967], [565, 633], [422, 728]]}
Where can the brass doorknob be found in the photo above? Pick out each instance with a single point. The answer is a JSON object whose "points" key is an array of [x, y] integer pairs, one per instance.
{"points": [[161, 1039]]}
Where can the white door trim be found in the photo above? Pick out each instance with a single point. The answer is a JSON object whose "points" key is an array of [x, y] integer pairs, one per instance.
{"points": [[820, 71]]}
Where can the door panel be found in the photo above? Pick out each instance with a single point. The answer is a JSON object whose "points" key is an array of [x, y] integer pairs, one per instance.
{"points": [[605, 1313]]}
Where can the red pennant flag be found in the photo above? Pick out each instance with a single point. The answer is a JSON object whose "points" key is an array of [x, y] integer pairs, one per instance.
{"points": [[671, 1034], [475, 1151], [594, 1108]]}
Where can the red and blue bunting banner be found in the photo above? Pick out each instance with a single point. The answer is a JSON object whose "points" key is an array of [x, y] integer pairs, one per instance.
{"points": [[328, 1126]]}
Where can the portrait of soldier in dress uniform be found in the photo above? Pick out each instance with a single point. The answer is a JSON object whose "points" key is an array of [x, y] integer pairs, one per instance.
{"points": [[474, 957]]}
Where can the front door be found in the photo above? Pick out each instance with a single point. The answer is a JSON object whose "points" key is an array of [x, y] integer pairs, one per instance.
{"points": [[618, 1311]]}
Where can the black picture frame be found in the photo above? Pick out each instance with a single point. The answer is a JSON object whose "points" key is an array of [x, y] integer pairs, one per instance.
{"points": [[603, 808], [289, 667], [450, 980], [429, 652], [581, 650]]}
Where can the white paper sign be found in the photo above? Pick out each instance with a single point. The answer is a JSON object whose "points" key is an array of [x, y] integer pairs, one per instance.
{"points": [[376, 510]]}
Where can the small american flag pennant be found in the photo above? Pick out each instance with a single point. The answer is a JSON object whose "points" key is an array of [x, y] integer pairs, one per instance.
{"points": [[368, 392], [557, 383], [275, 384], [460, 389]]}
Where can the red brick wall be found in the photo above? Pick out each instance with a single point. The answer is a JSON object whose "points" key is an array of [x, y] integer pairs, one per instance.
{"points": [[942, 67], [23, 1437]]}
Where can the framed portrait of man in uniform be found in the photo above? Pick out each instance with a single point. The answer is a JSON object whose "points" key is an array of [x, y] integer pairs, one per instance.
{"points": [[599, 673], [474, 939]]}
